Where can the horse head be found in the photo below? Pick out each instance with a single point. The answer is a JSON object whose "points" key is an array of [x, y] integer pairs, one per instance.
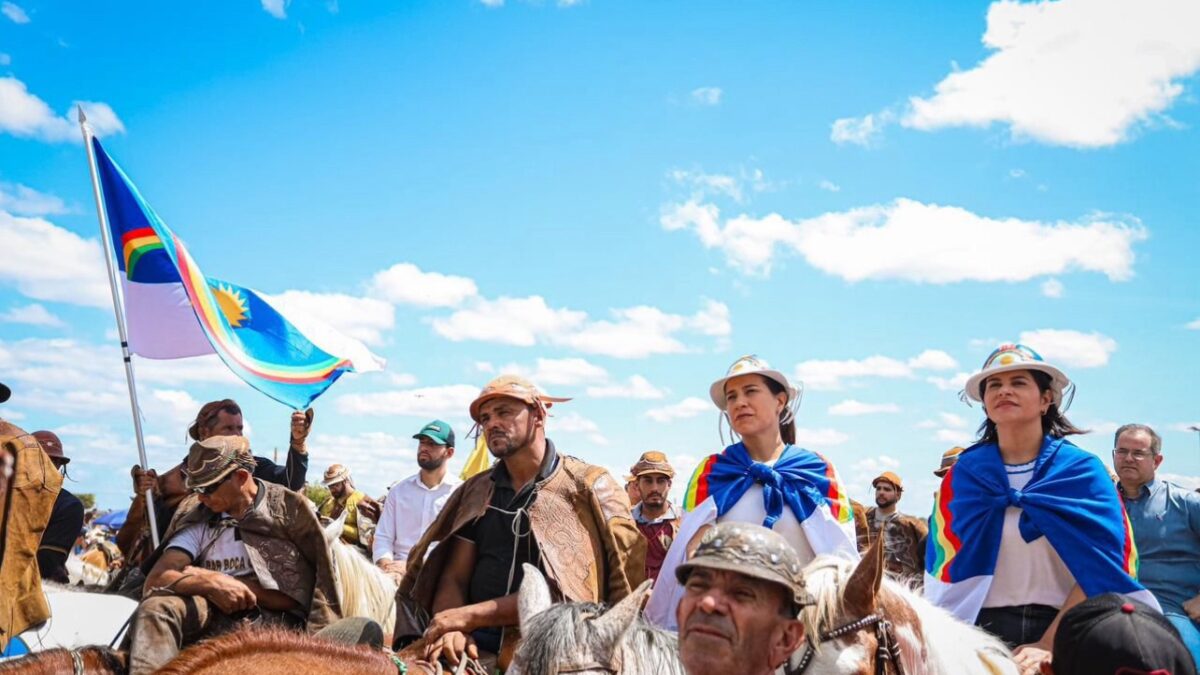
{"points": [[333, 529], [583, 638]]}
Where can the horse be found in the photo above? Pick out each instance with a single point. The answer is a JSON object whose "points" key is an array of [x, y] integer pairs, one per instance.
{"points": [[863, 623], [279, 651], [582, 637], [78, 618], [364, 589], [98, 561], [93, 660]]}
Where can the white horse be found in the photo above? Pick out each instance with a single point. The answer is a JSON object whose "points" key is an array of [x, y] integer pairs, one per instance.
{"points": [[79, 619], [364, 589], [857, 611]]}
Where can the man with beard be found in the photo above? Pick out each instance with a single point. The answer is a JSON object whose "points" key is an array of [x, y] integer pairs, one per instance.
{"points": [[655, 516], [569, 519], [903, 535], [413, 503], [345, 498], [743, 591]]}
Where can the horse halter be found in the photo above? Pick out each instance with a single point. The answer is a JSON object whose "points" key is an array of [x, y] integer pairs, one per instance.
{"points": [[887, 651]]}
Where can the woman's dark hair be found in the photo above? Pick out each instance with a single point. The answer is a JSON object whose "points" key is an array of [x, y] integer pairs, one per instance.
{"points": [[1054, 423], [208, 416], [786, 431]]}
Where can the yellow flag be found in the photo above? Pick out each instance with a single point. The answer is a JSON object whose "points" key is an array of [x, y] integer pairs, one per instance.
{"points": [[480, 459]]}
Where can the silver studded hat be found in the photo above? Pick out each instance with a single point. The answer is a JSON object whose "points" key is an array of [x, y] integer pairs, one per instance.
{"points": [[753, 551]]}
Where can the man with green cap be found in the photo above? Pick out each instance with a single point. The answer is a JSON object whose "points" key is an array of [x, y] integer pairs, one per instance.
{"points": [[414, 503], [239, 549], [743, 591]]}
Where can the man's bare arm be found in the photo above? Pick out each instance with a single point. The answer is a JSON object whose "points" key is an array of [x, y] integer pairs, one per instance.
{"points": [[174, 573]]}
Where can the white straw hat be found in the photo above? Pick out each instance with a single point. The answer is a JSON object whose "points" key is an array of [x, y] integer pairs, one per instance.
{"points": [[1014, 356], [749, 365]]}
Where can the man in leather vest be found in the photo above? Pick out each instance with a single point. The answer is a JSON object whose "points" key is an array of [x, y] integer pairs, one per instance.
{"points": [[537, 506]]}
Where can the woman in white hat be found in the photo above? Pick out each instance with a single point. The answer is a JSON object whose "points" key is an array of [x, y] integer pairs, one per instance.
{"points": [[762, 479], [1026, 524]]}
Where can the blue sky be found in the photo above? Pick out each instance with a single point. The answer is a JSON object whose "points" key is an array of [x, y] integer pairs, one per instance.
{"points": [[619, 199]]}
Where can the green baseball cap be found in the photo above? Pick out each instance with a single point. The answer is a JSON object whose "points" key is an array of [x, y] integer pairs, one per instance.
{"points": [[437, 431]]}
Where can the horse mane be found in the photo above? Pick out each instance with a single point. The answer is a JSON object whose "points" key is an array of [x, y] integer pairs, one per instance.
{"points": [[827, 578], [96, 659], [365, 589], [266, 644], [556, 631]]}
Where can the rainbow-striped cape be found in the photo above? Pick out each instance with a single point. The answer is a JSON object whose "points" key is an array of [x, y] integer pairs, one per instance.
{"points": [[174, 311], [800, 480], [1070, 500]]}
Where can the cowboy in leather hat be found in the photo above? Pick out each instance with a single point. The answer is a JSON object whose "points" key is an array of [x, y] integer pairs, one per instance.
{"points": [[66, 519]]}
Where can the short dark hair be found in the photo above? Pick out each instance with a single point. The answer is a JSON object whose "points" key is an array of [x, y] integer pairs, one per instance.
{"points": [[787, 431], [1155, 439]]}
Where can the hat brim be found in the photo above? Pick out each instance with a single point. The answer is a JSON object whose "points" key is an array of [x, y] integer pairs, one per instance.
{"points": [[335, 480], [193, 484], [717, 391], [941, 471], [682, 572], [478, 403], [5, 392], [1058, 379], [431, 437], [669, 473]]}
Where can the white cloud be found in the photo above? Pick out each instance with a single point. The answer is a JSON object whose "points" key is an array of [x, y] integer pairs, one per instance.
{"points": [[1194, 325], [953, 383], [1187, 482], [637, 387], [1078, 73], [688, 407], [574, 423], [1185, 427], [1016, 173], [512, 321], [25, 201], [709, 183], [932, 359], [176, 372], [634, 332], [853, 408], [444, 401], [916, 242], [376, 459], [33, 315], [829, 186], [24, 114], [366, 319], [1070, 348], [708, 96], [402, 379], [56, 264], [818, 374], [865, 131], [565, 372], [405, 283], [14, 12], [1052, 288], [492, 3], [960, 437], [276, 8], [819, 438]]}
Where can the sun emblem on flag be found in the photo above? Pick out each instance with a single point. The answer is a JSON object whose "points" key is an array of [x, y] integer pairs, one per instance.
{"points": [[232, 303]]}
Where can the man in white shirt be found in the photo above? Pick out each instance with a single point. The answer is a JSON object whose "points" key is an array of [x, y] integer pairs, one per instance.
{"points": [[413, 503]]}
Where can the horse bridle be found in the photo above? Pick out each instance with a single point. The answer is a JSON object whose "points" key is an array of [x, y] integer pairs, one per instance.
{"points": [[887, 651]]}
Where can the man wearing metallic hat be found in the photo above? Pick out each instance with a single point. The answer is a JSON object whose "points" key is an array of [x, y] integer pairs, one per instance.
{"points": [[245, 550], [345, 498], [654, 514], [903, 535], [66, 520], [743, 591], [569, 519]]}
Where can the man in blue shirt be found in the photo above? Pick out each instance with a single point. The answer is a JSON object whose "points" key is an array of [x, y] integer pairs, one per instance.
{"points": [[1166, 526]]}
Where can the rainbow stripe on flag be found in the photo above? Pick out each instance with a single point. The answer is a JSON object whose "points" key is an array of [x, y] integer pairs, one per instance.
{"points": [[697, 489], [945, 543], [173, 310]]}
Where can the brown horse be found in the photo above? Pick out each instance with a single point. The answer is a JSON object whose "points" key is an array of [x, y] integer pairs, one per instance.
{"points": [[277, 651], [83, 661]]}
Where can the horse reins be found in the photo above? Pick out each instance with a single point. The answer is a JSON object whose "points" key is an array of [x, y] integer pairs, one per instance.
{"points": [[887, 651]]}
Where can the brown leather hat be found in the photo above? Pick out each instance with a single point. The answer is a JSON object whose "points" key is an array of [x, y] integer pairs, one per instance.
{"points": [[889, 477], [5, 392], [515, 387], [652, 462], [948, 459], [51, 445]]}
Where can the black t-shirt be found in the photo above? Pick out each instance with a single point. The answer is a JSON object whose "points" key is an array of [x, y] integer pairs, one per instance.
{"points": [[504, 541], [66, 522]]}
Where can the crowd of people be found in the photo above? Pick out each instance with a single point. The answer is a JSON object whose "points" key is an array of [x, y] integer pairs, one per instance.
{"points": [[1077, 569]]}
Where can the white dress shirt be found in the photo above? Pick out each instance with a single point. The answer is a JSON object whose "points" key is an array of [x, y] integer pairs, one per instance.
{"points": [[410, 507]]}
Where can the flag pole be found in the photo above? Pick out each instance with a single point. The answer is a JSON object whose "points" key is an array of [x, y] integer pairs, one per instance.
{"points": [[119, 311]]}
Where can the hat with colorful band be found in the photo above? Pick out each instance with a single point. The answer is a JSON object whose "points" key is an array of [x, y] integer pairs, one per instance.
{"points": [[749, 365], [1012, 356]]}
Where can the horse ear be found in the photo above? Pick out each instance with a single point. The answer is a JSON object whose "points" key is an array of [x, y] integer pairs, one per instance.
{"points": [[334, 529], [534, 596], [863, 587], [616, 620]]}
